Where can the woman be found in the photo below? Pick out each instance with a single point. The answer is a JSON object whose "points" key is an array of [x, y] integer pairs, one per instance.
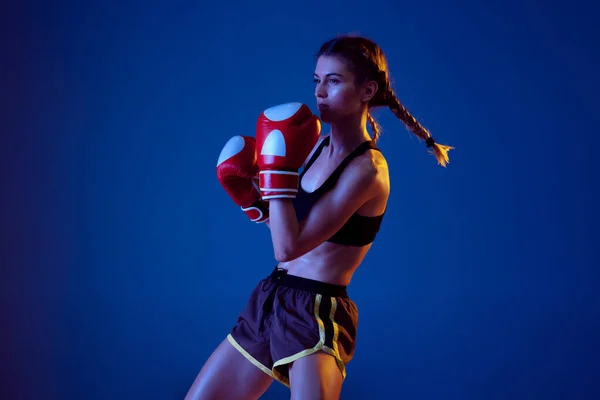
{"points": [[299, 326]]}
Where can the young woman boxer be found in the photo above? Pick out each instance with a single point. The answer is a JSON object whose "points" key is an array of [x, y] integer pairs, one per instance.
{"points": [[299, 325]]}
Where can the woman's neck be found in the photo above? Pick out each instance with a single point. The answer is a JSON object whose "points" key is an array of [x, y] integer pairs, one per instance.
{"points": [[347, 134]]}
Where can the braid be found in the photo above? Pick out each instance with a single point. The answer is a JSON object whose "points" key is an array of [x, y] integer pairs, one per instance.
{"points": [[374, 126], [439, 151]]}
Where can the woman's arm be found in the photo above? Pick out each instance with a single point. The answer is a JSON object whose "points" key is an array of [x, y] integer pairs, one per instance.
{"points": [[360, 183], [268, 222]]}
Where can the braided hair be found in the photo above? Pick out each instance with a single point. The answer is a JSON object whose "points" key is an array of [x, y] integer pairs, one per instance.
{"points": [[367, 62]]}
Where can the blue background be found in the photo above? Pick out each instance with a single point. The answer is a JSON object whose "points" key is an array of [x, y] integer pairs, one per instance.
{"points": [[124, 263]]}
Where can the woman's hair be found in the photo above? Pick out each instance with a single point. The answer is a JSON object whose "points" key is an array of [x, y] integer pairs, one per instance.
{"points": [[367, 62]]}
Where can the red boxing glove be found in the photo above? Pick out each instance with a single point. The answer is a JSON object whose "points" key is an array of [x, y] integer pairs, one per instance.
{"points": [[236, 171], [285, 136]]}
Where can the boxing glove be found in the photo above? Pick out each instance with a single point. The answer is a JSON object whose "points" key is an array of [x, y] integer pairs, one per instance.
{"points": [[237, 172], [285, 136]]}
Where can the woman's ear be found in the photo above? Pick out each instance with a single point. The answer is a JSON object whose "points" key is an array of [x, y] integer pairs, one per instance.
{"points": [[369, 90]]}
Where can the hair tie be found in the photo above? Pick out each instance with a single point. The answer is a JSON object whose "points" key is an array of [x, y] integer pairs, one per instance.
{"points": [[430, 141]]}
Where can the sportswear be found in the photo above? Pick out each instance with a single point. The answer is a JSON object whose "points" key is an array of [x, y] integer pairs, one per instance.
{"points": [[359, 230]]}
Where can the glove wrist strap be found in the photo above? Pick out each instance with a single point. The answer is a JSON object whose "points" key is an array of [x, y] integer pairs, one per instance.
{"points": [[278, 184]]}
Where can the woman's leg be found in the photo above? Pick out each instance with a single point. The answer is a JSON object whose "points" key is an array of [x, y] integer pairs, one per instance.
{"points": [[227, 374], [315, 377]]}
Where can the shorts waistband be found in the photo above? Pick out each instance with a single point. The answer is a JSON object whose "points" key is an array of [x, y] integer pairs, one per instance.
{"points": [[310, 285]]}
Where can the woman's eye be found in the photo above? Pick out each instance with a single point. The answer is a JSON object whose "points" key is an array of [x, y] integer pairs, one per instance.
{"points": [[330, 80]]}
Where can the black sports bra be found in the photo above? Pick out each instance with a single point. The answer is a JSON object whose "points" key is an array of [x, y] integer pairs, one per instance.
{"points": [[359, 230]]}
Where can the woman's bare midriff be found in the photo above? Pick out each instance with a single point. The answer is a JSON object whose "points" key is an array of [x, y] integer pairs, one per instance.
{"points": [[329, 262]]}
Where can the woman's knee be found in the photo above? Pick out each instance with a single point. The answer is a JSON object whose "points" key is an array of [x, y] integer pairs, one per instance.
{"points": [[315, 377]]}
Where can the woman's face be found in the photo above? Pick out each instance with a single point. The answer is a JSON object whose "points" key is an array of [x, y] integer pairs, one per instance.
{"points": [[336, 91]]}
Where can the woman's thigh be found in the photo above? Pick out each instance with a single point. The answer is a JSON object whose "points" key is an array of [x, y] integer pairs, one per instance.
{"points": [[227, 374], [315, 377]]}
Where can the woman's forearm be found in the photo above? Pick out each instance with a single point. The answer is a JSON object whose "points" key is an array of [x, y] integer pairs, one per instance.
{"points": [[284, 228]]}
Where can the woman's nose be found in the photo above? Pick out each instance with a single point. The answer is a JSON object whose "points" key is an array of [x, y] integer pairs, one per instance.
{"points": [[320, 91]]}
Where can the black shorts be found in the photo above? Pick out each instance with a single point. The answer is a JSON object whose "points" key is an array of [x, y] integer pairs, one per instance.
{"points": [[289, 317]]}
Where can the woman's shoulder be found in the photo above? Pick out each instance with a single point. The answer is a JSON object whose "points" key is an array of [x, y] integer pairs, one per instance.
{"points": [[374, 161], [370, 170]]}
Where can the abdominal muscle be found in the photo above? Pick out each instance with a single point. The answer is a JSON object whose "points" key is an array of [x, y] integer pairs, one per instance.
{"points": [[329, 262]]}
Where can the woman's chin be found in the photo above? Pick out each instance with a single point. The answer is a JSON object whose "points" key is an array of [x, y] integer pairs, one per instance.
{"points": [[326, 116]]}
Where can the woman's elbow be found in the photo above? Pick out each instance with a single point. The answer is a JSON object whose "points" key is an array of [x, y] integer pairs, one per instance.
{"points": [[282, 256], [285, 254]]}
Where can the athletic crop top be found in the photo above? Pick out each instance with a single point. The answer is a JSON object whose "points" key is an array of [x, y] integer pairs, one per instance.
{"points": [[359, 230]]}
